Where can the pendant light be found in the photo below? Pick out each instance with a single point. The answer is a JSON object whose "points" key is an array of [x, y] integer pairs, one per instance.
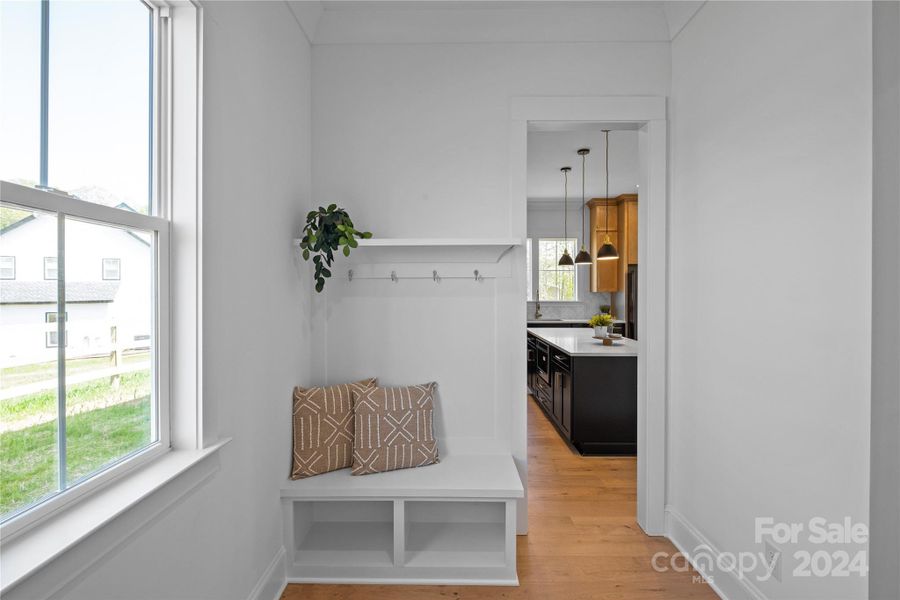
{"points": [[607, 250], [566, 259], [583, 257]]}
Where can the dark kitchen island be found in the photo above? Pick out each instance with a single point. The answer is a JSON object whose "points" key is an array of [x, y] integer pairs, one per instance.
{"points": [[586, 389]]}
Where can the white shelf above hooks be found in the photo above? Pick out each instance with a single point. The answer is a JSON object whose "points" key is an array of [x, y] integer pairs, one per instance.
{"points": [[425, 250]]}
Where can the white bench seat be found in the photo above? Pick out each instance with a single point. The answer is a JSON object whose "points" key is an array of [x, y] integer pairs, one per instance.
{"points": [[459, 476], [449, 523]]}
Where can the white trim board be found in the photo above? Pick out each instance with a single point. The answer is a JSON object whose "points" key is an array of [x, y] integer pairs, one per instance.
{"points": [[725, 584], [649, 112], [272, 582]]}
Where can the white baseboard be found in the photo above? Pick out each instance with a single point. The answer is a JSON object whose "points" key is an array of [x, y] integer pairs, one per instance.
{"points": [[686, 538], [272, 582], [513, 582]]}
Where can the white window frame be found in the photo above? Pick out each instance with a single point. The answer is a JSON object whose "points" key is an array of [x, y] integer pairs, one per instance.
{"points": [[13, 267], [529, 269], [50, 318], [537, 270], [48, 267], [68, 207], [117, 262], [177, 194]]}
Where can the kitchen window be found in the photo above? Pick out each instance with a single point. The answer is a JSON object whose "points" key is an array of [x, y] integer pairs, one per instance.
{"points": [[556, 283], [7, 267], [80, 162], [112, 269]]}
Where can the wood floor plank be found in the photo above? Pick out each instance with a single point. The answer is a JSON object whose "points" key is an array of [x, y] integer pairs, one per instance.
{"points": [[583, 541]]}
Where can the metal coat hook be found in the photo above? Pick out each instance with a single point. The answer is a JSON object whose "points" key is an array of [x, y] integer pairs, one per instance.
{"points": [[350, 275], [394, 277], [435, 276], [478, 276]]}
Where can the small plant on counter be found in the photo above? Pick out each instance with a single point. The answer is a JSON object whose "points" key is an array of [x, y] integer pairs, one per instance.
{"points": [[327, 230], [602, 320]]}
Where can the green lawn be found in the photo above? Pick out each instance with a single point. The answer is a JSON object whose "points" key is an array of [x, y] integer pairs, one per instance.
{"points": [[131, 386], [13, 376], [94, 438]]}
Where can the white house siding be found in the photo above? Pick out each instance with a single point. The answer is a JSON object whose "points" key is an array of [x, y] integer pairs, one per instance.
{"points": [[89, 324], [24, 339]]}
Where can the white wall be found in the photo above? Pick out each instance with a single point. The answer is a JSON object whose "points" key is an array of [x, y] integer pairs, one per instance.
{"points": [[218, 541], [414, 140], [548, 151], [771, 274], [884, 579]]}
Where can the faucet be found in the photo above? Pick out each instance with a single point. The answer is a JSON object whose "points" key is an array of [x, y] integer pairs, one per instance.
{"points": [[537, 309]]}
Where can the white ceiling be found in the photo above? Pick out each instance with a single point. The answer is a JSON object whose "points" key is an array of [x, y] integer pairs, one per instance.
{"points": [[512, 21], [549, 150]]}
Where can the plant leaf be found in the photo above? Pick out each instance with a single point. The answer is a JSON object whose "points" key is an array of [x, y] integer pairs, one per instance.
{"points": [[346, 250]]}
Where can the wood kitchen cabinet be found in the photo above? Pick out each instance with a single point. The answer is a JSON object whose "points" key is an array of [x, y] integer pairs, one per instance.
{"points": [[631, 230], [610, 275]]}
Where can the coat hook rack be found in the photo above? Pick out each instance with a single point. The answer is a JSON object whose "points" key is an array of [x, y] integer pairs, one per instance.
{"points": [[436, 276]]}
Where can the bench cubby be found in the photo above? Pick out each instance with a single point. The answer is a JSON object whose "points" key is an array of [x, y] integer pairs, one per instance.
{"points": [[453, 522]]}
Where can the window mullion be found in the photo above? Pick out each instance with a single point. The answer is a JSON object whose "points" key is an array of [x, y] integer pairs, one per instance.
{"points": [[45, 90], [61, 348]]}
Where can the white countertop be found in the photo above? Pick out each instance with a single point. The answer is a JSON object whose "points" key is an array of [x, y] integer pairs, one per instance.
{"points": [[530, 321], [579, 341]]}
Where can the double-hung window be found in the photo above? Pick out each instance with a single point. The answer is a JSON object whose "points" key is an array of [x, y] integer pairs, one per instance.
{"points": [[556, 282], [82, 115]]}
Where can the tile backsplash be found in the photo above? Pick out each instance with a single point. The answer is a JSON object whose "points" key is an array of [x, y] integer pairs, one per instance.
{"points": [[584, 309]]}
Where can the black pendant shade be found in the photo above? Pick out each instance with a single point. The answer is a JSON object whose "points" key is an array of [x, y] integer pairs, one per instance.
{"points": [[607, 252], [583, 257], [566, 259]]}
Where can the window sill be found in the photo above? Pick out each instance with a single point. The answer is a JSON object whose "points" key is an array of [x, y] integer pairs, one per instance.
{"points": [[32, 550]]}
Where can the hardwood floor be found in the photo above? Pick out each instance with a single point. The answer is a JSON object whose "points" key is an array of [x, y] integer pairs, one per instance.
{"points": [[583, 542]]}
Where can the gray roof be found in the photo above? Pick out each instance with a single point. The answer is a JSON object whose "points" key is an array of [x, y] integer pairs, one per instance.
{"points": [[44, 292]]}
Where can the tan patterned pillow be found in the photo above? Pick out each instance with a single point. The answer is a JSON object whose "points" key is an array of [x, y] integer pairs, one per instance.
{"points": [[394, 428], [323, 428]]}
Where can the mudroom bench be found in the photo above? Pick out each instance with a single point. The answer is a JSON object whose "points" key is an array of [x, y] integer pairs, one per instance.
{"points": [[449, 523]]}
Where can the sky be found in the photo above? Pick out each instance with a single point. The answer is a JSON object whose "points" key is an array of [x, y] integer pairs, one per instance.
{"points": [[98, 97]]}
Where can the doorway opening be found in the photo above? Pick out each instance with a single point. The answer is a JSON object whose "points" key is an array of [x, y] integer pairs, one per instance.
{"points": [[644, 118]]}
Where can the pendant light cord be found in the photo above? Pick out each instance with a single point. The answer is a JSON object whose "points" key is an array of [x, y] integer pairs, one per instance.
{"points": [[566, 208], [606, 227], [583, 157]]}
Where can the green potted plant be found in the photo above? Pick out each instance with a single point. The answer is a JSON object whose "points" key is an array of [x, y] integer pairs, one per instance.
{"points": [[327, 230], [601, 324]]}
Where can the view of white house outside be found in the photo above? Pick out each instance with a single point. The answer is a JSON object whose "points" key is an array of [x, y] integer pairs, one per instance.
{"points": [[76, 115]]}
